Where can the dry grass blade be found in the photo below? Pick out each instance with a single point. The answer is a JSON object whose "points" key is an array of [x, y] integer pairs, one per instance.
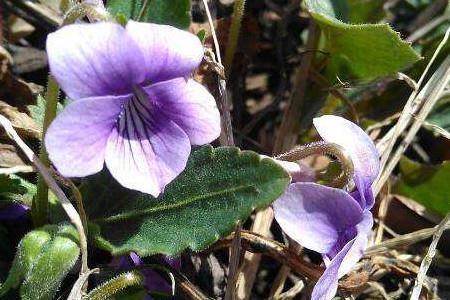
{"points": [[402, 240], [419, 104], [426, 262]]}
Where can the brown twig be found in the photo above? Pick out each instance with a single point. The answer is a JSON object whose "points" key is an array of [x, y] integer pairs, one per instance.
{"points": [[256, 243], [186, 286]]}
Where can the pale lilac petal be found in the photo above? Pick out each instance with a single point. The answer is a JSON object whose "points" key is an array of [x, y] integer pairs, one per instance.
{"points": [[358, 144], [344, 261], [326, 286], [146, 151], [190, 106], [94, 60], [315, 215], [76, 139], [168, 52]]}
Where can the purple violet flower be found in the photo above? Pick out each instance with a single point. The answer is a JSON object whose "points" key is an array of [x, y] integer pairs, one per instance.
{"points": [[134, 108], [330, 220]]}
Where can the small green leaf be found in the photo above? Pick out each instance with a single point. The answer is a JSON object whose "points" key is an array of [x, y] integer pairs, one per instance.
{"points": [[427, 185], [37, 110], [44, 257], [171, 12], [362, 51], [218, 188], [14, 189]]}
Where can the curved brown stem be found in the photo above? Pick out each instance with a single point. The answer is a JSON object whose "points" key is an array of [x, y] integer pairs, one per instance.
{"points": [[324, 148]]}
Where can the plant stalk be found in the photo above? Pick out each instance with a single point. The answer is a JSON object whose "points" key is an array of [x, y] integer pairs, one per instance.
{"points": [[40, 201], [233, 35]]}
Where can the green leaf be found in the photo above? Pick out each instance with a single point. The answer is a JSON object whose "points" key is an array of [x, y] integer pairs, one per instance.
{"points": [[218, 188], [362, 51], [171, 12], [14, 189], [365, 11], [37, 110], [427, 185], [44, 257]]}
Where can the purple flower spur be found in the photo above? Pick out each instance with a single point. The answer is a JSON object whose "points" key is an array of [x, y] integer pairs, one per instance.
{"points": [[134, 107], [330, 220]]}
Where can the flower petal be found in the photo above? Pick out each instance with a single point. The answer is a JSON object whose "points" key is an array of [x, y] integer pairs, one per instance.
{"points": [[76, 139], [190, 106], [343, 262], [169, 52], [315, 215], [14, 211], [146, 151], [360, 147], [94, 60], [326, 286], [357, 250]]}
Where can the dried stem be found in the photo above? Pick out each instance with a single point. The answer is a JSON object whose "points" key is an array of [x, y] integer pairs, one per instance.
{"points": [[258, 244], [233, 35], [402, 240], [143, 10], [65, 203], [226, 138], [40, 201], [413, 105], [426, 262], [286, 135], [186, 286]]}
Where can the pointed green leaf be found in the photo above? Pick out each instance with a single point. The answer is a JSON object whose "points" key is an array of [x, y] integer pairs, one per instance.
{"points": [[361, 51], [171, 12], [218, 188], [44, 257], [427, 185]]}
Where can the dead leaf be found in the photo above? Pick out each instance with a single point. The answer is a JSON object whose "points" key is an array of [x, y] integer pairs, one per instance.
{"points": [[22, 122], [9, 157], [18, 28], [5, 61]]}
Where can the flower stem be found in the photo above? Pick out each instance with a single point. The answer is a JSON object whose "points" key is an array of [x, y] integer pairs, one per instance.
{"points": [[115, 285], [233, 35], [40, 201], [324, 148]]}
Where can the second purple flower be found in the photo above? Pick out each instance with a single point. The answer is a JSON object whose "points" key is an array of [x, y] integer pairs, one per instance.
{"points": [[134, 108]]}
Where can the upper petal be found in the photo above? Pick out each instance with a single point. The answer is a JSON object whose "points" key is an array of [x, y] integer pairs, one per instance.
{"points": [[168, 51], [94, 60], [146, 151], [76, 139], [315, 215], [359, 146], [190, 106]]}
